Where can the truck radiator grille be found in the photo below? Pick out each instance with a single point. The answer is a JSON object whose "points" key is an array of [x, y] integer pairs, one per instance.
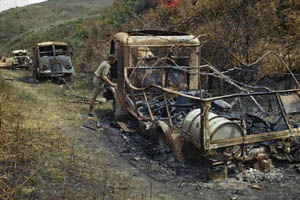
{"points": [[21, 59], [56, 68]]}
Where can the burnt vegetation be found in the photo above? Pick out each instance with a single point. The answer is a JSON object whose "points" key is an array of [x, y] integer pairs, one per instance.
{"points": [[233, 35]]}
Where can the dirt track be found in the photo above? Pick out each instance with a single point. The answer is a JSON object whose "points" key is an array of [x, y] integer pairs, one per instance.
{"points": [[151, 174], [137, 156]]}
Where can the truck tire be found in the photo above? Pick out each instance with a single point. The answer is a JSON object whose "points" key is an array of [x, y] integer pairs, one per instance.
{"points": [[68, 77]]}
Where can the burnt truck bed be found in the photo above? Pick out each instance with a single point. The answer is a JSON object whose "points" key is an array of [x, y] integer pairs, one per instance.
{"points": [[228, 116]]}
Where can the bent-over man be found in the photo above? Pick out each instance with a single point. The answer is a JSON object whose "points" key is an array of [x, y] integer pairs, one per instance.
{"points": [[101, 77]]}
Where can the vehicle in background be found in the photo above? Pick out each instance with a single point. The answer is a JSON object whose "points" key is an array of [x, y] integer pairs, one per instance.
{"points": [[52, 59], [6, 63], [21, 59]]}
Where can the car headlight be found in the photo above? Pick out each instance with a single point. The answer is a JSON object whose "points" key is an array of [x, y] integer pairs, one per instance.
{"points": [[68, 67]]}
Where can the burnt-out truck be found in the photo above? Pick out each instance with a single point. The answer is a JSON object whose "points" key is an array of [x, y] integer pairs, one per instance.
{"points": [[52, 59], [21, 59], [176, 95]]}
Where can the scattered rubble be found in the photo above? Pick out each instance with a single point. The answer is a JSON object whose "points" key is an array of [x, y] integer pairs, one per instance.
{"points": [[252, 175], [143, 153], [175, 95]]}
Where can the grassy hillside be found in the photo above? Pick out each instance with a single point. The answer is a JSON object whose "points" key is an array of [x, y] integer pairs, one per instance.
{"points": [[88, 36], [246, 28], [78, 33], [16, 21], [71, 31]]}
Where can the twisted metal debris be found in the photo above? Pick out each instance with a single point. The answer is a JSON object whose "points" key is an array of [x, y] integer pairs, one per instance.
{"points": [[178, 96]]}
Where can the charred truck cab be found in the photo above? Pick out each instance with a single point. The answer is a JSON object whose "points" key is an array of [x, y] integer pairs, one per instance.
{"points": [[144, 58], [180, 101], [52, 59], [21, 59]]}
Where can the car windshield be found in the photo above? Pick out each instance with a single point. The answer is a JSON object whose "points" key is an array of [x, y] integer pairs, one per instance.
{"points": [[61, 50], [148, 63], [20, 54], [46, 51]]}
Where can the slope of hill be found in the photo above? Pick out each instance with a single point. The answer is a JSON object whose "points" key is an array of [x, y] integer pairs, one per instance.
{"points": [[19, 20], [87, 35], [78, 33], [246, 28]]}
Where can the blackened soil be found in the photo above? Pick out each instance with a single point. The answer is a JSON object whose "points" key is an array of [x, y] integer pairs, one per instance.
{"points": [[138, 155]]}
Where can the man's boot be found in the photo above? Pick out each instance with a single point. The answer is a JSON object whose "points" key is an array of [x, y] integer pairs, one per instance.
{"points": [[91, 113]]}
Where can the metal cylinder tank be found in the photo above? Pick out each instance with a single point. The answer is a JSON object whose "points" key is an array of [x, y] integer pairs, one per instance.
{"points": [[219, 127]]}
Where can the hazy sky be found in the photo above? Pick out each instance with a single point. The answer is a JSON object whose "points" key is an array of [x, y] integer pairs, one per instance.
{"points": [[7, 4]]}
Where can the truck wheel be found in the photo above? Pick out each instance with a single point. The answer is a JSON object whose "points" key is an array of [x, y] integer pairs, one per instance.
{"points": [[68, 77]]}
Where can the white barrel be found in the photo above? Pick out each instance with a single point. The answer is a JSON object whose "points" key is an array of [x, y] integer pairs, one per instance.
{"points": [[219, 127]]}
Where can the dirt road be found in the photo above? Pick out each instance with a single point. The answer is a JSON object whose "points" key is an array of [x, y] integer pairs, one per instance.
{"points": [[105, 163], [137, 156]]}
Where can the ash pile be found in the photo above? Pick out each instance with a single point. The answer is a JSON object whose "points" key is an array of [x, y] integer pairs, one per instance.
{"points": [[260, 116], [180, 106]]}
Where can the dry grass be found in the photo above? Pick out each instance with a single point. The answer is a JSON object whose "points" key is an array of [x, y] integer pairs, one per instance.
{"points": [[17, 149], [16, 21], [38, 161]]}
